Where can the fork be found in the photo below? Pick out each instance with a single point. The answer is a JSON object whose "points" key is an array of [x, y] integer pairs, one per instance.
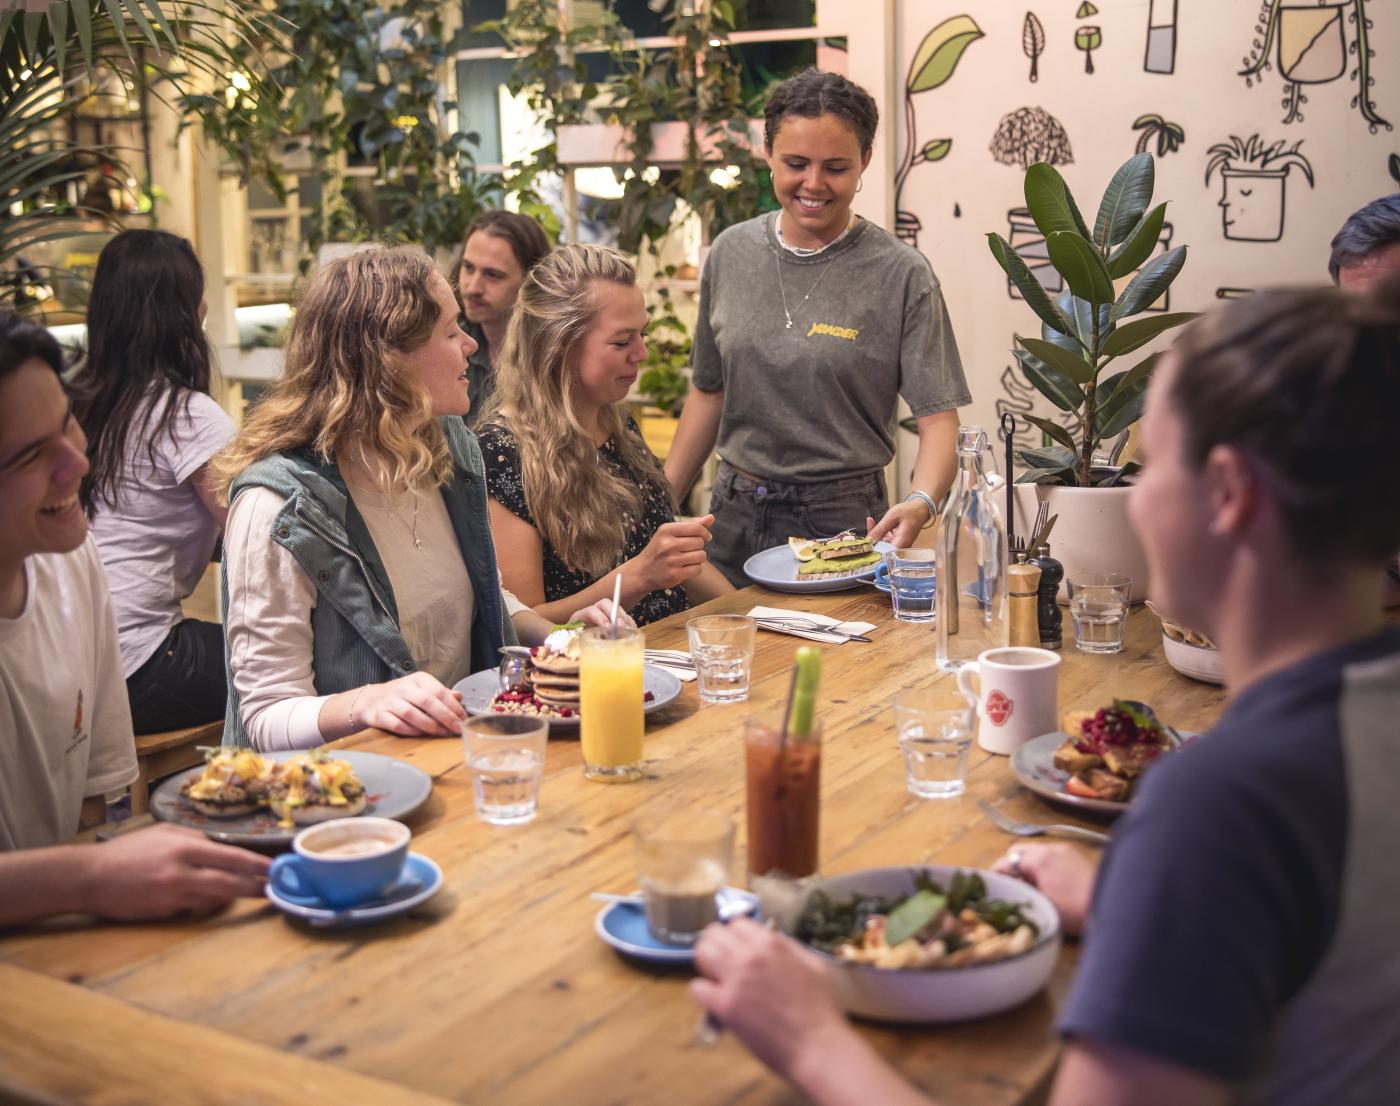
{"points": [[1027, 829], [675, 658]]}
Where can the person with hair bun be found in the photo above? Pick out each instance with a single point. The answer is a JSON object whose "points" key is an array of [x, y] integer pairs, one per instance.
{"points": [[1239, 934], [501, 247], [813, 322], [576, 495], [360, 578]]}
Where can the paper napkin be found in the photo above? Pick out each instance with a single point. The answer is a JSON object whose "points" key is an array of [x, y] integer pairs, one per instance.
{"points": [[806, 619]]}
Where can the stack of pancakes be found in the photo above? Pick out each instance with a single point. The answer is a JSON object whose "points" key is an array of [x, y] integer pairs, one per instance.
{"points": [[554, 678]]}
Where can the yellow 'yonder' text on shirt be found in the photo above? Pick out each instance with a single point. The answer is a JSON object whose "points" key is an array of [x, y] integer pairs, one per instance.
{"points": [[849, 333]]}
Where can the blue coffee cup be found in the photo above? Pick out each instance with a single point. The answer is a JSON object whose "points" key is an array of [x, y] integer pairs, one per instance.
{"points": [[343, 863]]}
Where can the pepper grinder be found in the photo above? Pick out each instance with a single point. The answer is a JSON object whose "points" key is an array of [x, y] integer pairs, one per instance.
{"points": [[1024, 586], [1048, 612]]}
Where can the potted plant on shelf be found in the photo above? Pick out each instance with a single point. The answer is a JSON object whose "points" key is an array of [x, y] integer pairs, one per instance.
{"points": [[1083, 331]]}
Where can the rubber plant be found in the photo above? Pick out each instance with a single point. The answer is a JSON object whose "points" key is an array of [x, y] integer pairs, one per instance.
{"points": [[1089, 326]]}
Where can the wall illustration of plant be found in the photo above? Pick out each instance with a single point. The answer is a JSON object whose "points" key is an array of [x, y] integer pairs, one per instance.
{"points": [[1392, 163], [934, 63], [1253, 179], [1033, 43], [1312, 49], [1028, 135], [1086, 10], [1169, 135], [1088, 39]]}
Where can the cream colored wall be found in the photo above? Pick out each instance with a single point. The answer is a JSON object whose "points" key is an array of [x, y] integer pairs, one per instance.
{"points": [[1204, 94]]}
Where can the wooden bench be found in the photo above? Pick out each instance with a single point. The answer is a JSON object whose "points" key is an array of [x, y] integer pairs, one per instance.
{"points": [[160, 754]]}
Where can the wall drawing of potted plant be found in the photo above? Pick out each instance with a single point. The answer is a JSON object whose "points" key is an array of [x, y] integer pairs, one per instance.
{"points": [[934, 63], [1253, 180], [1312, 48]]}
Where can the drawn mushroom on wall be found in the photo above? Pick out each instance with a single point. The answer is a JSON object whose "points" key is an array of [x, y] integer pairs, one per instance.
{"points": [[934, 63], [1253, 180]]}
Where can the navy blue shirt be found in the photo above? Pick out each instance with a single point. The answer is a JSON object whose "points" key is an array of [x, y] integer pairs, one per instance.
{"points": [[1221, 891]]}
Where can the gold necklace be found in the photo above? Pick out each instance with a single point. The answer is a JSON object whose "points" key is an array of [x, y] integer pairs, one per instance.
{"points": [[417, 541]]}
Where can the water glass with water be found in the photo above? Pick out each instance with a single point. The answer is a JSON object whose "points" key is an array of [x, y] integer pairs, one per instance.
{"points": [[935, 729], [1098, 606], [911, 573], [505, 753], [722, 647]]}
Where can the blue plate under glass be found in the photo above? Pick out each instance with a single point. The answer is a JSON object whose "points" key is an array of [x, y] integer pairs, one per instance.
{"points": [[421, 880], [623, 925]]}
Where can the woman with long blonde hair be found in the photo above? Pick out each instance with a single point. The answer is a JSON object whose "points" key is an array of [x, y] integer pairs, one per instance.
{"points": [[576, 495], [360, 578]]}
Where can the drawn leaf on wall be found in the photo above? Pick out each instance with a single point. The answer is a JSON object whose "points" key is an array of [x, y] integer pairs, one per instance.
{"points": [[940, 51], [1394, 164], [1033, 43], [1086, 9], [936, 150]]}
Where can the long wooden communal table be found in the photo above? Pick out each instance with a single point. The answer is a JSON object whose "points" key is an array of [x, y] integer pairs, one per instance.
{"points": [[498, 990]]}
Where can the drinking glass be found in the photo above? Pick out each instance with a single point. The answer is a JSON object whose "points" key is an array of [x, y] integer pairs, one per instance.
{"points": [[722, 645], [505, 753], [683, 860], [911, 575], [783, 783], [1098, 606], [610, 703], [934, 727]]}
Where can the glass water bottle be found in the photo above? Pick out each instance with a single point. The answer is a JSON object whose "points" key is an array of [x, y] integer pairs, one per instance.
{"points": [[971, 562]]}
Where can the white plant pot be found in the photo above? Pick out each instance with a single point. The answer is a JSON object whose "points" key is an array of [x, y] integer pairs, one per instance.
{"points": [[1092, 535]]}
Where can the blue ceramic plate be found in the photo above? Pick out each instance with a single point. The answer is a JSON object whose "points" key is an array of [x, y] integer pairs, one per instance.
{"points": [[420, 881], [1033, 764], [395, 789], [480, 688], [623, 925], [776, 569]]}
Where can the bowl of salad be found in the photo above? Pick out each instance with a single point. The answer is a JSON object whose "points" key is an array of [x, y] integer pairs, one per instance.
{"points": [[931, 944]]}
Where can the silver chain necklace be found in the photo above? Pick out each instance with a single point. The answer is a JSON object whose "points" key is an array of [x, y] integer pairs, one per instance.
{"points": [[782, 291]]}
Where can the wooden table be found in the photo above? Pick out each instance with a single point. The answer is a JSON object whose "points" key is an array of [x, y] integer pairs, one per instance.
{"points": [[498, 991]]}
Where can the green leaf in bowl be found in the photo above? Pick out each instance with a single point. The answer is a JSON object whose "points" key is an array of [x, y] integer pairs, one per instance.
{"points": [[913, 915]]}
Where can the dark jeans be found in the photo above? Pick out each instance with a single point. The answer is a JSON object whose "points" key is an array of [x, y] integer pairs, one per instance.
{"points": [[751, 515], [183, 682]]}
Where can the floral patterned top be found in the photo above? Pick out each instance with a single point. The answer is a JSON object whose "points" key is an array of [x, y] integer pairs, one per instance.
{"points": [[501, 453]]}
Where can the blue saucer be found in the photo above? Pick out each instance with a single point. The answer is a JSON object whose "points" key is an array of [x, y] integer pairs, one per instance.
{"points": [[420, 881], [623, 925]]}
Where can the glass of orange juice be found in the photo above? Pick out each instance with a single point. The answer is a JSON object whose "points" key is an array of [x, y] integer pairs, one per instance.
{"points": [[610, 703]]}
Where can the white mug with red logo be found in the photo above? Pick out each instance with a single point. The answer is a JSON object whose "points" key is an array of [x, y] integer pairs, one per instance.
{"points": [[1019, 696]]}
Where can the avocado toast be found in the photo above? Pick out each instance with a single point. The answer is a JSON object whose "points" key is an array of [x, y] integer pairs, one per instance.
{"points": [[844, 555]]}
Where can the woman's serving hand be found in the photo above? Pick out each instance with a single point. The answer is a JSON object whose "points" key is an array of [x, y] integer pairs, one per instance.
{"points": [[675, 554], [901, 524], [416, 705]]}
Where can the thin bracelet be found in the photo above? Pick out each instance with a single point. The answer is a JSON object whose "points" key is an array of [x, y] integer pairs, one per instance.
{"points": [[351, 711], [928, 500]]}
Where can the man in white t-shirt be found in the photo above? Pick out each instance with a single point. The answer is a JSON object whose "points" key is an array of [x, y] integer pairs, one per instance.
{"points": [[65, 727]]}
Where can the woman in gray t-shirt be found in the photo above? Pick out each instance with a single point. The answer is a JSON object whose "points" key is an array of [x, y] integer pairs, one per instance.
{"points": [[812, 323]]}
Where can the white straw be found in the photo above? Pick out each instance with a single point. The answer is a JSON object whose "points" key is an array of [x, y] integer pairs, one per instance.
{"points": [[617, 599]]}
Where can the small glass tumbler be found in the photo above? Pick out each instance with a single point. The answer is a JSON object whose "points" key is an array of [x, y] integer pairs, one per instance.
{"points": [[722, 646], [505, 753], [1098, 606], [683, 860], [911, 583], [935, 728]]}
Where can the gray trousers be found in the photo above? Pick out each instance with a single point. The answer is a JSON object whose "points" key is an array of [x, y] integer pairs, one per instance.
{"points": [[752, 515]]}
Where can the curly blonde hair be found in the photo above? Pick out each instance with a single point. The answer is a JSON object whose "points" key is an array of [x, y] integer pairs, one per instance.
{"points": [[344, 389], [580, 506]]}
